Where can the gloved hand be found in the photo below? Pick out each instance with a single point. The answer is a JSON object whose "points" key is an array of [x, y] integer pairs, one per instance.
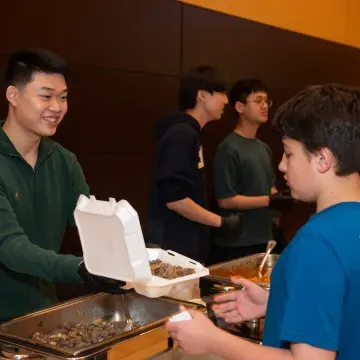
{"points": [[230, 224], [99, 283], [281, 201]]}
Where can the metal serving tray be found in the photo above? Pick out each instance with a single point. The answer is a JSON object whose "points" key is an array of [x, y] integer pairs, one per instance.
{"points": [[149, 313], [251, 263]]}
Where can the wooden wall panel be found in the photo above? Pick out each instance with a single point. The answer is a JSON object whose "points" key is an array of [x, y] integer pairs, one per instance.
{"points": [[119, 175], [244, 48], [137, 35], [331, 20], [115, 111], [326, 19]]}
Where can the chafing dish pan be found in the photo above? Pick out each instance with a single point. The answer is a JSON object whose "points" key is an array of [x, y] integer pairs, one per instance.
{"points": [[147, 312], [246, 266]]}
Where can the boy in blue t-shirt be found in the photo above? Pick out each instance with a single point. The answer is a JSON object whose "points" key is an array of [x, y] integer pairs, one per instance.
{"points": [[313, 310]]}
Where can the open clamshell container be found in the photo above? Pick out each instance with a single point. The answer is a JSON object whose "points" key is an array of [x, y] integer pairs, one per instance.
{"points": [[113, 246]]}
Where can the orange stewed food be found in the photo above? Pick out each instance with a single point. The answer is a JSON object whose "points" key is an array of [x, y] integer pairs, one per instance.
{"points": [[249, 273]]}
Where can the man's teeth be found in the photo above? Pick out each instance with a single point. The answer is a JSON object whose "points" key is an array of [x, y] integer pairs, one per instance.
{"points": [[51, 119]]}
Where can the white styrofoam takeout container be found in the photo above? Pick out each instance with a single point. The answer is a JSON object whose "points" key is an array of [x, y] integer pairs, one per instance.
{"points": [[158, 286], [113, 246]]}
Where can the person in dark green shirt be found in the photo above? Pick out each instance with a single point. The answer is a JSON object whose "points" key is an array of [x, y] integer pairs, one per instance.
{"points": [[244, 175], [40, 183]]}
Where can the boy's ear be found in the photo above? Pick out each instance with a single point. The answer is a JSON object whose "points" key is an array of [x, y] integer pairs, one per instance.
{"points": [[325, 160], [239, 107]]}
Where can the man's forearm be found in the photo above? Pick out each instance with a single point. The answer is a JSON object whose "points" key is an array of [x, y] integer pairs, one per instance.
{"points": [[230, 347], [241, 202], [20, 255], [194, 212]]}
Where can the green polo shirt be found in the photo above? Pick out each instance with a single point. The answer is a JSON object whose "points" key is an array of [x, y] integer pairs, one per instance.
{"points": [[35, 206]]}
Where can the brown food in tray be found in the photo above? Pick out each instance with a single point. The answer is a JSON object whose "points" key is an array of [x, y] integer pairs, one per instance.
{"points": [[80, 335], [168, 271]]}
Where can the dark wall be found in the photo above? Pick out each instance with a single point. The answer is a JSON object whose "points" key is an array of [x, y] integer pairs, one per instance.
{"points": [[284, 60], [127, 58], [126, 65]]}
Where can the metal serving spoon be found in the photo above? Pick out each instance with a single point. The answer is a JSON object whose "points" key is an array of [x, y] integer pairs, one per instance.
{"points": [[270, 246]]}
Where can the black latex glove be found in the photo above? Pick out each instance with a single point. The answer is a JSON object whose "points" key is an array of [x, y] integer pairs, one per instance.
{"points": [[99, 283], [230, 224], [281, 201]]}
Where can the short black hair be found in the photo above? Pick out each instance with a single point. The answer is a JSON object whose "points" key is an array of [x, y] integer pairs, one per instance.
{"points": [[243, 88], [325, 116], [23, 64], [199, 78]]}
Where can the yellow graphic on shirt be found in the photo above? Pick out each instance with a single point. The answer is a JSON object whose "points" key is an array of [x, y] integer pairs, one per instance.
{"points": [[201, 158]]}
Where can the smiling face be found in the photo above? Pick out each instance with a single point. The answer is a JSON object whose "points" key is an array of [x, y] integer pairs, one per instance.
{"points": [[40, 105]]}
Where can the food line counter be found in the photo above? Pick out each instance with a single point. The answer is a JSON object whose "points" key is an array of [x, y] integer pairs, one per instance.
{"points": [[146, 339]]}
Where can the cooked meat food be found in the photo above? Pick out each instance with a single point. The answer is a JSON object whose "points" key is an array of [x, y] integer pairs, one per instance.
{"points": [[168, 271], [81, 335]]}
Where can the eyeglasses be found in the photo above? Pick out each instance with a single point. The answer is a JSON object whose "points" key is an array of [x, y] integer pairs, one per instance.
{"points": [[269, 103]]}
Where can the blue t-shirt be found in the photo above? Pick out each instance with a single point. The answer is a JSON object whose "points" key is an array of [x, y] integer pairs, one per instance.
{"points": [[315, 285]]}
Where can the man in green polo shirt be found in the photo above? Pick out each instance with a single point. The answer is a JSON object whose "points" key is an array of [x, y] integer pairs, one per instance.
{"points": [[40, 183]]}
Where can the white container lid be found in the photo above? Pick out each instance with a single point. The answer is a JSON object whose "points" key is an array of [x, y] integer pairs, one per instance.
{"points": [[112, 241]]}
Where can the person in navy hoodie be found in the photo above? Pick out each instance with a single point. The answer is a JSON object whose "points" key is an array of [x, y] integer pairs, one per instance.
{"points": [[178, 219]]}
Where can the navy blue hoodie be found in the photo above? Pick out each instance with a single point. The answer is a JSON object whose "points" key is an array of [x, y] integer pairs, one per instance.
{"points": [[178, 174]]}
